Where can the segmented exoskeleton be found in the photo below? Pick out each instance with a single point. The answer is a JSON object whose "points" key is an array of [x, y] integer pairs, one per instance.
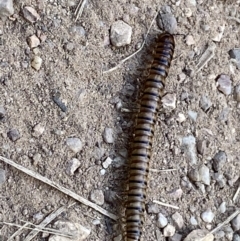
{"points": [[143, 134]]}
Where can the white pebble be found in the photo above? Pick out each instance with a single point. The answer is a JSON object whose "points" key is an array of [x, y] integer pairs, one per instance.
{"points": [[38, 130], [97, 197], [74, 144], [169, 101], [193, 221], [120, 33], [190, 40], [36, 62], [108, 135], [161, 221], [181, 118], [207, 216], [222, 207], [73, 165], [107, 162], [102, 172], [169, 231], [33, 41]]}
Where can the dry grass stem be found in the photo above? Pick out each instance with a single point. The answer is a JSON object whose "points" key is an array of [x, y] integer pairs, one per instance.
{"points": [[79, 10], [162, 170], [236, 195], [19, 231], [60, 188], [165, 204]]}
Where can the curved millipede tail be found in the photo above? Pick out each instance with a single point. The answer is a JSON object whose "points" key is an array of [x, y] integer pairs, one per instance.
{"points": [[143, 134]]}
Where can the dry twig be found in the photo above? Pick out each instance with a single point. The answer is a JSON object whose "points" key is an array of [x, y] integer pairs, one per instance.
{"points": [[60, 188], [236, 194], [19, 231], [162, 170], [79, 9], [165, 204]]}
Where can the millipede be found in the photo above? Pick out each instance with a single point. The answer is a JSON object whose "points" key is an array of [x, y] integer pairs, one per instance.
{"points": [[143, 134]]}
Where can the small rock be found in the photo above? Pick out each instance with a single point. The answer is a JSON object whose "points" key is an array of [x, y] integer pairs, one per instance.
{"points": [[222, 207], [181, 118], [167, 22], [177, 220], [188, 12], [68, 46], [73, 165], [107, 162], [108, 135], [30, 14], [192, 2], [38, 130], [235, 54], [152, 208], [97, 197], [199, 235], [175, 237], [74, 144], [189, 148], [120, 33], [224, 84], [38, 216], [169, 231], [161, 220], [207, 216], [36, 62], [221, 181], [219, 33], [2, 176], [176, 193], [102, 172], [80, 233], [237, 92], [236, 223], [110, 196], [236, 237], [119, 161], [33, 41], [36, 159], [223, 116], [219, 160], [2, 112], [98, 152], [169, 101], [193, 175], [6, 8], [13, 135], [220, 234], [192, 115], [205, 103], [190, 40], [201, 146], [193, 221], [204, 174]]}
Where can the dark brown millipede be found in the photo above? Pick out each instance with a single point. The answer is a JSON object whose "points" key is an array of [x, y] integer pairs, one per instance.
{"points": [[143, 134]]}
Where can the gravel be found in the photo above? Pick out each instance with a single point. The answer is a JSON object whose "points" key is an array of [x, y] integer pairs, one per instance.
{"points": [[224, 84], [207, 216], [152, 208], [74, 144], [36, 62], [108, 135], [107, 162], [235, 54], [175, 237], [13, 135], [169, 230], [97, 196], [169, 101], [205, 103], [236, 223], [204, 174], [177, 220], [72, 166], [193, 221], [30, 14], [222, 207], [199, 235], [219, 160], [120, 33], [161, 220], [189, 148], [192, 115]]}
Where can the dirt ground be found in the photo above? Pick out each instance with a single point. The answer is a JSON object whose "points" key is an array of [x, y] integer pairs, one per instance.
{"points": [[75, 54]]}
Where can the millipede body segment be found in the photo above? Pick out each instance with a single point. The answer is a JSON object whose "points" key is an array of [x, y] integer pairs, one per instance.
{"points": [[143, 134]]}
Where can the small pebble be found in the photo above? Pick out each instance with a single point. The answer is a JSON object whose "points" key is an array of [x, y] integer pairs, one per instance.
{"points": [[167, 22], [72, 166], [97, 197], [74, 144], [175, 237], [220, 234], [193, 175], [235, 54], [224, 84], [110, 196], [118, 238], [33, 41], [178, 220], [30, 14], [36, 159], [13, 135], [221, 181], [236, 237], [108, 135], [201, 146], [176, 193], [219, 160], [107, 162], [2, 112], [236, 223], [161, 220], [69, 46], [98, 152], [152, 208], [223, 116], [188, 12], [36, 62], [237, 93], [199, 235], [192, 115], [102, 172], [207, 216], [169, 231], [169, 101], [219, 33], [222, 207], [38, 130], [181, 118], [193, 221], [120, 33], [192, 2], [189, 148], [6, 8], [190, 40], [2, 176], [204, 175], [68, 227], [205, 103]]}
